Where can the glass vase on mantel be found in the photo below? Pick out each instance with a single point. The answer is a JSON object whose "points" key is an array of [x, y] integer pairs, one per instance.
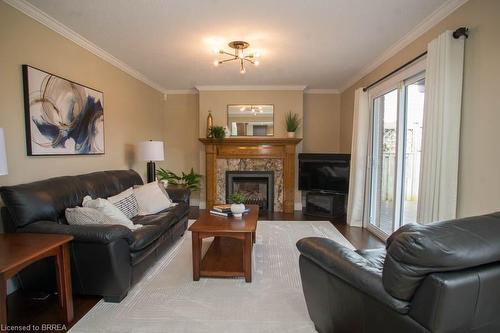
{"points": [[210, 122]]}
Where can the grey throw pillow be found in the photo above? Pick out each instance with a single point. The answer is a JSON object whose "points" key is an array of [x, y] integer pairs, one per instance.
{"points": [[85, 216]]}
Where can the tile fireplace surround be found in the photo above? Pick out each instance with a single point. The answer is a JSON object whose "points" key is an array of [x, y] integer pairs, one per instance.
{"points": [[251, 154]]}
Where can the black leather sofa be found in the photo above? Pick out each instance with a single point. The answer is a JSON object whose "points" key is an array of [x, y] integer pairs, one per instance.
{"points": [[442, 277], [106, 260]]}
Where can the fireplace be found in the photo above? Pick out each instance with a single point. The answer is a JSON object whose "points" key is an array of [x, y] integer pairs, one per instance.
{"points": [[258, 186]]}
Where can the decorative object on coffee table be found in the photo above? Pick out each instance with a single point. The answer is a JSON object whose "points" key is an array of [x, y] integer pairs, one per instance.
{"points": [[230, 254], [216, 132], [62, 117], [19, 250], [237, 200], [151, 151], [292, 124], [189, 180]]}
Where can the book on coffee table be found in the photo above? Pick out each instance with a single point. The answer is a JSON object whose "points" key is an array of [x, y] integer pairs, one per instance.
{"points": [[226, 214], [222, 208]]}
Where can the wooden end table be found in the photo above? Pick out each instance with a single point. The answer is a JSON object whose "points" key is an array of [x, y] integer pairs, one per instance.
{"points": [[20, 250], [230, 254]]}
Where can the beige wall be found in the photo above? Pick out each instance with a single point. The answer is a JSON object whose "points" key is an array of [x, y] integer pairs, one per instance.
{"points": [[321, 124], [132, 110], [479, 179], [181, 135]]}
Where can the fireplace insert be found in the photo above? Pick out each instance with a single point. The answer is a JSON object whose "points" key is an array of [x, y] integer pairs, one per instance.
{"points": [[258, 186]]}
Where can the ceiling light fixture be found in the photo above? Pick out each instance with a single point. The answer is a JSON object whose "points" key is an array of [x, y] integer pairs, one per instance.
{"points": [[238, 55]]}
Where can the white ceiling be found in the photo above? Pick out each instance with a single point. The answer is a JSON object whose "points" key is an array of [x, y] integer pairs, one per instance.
{"points": [[318, 43]]}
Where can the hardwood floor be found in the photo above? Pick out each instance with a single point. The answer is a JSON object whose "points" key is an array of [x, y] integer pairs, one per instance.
{"points": [[25, 308]]}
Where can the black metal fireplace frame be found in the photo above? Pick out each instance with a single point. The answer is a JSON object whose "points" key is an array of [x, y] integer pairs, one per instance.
{"points": [[230, 175]]}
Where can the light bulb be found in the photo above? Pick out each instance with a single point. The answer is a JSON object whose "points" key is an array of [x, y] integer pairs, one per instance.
{"points": [[215, 50], [216, 63], [256, 63], [243, 71], [256, 55]]}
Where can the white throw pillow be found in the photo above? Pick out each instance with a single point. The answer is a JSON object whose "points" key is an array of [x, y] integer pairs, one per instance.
{"points": [[108, 209], [151, 199], [126, 202], [85, 216]]}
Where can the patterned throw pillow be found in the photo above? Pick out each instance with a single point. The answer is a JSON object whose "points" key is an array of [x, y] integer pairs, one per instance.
{"points": [[85, 216], [126, 201]]}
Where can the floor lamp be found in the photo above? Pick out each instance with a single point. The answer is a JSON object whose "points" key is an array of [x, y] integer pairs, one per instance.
{"points": [[151, 151]]}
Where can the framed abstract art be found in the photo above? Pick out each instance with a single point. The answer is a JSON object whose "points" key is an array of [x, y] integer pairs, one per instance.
{"points": [[62, 117]]}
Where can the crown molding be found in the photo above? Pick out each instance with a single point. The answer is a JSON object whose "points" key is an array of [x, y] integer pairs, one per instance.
{"points": [[321, 91], [251, 88], [181, 92], [51, 23], [430, 21]]}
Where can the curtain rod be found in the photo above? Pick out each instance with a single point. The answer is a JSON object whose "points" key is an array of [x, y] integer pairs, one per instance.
{"points": [[462, 31]]}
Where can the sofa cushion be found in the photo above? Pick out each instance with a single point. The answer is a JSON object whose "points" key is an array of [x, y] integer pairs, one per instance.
{"points": [[180, 210], [416, 251], [164, 220], [145, 236]]}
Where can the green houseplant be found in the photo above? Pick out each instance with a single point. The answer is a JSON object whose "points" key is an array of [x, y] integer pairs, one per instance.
{"points": [[216, 132], [237, 200], [189, 180], [292, 123]]}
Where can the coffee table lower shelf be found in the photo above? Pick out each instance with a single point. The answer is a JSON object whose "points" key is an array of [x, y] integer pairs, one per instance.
{"points": [[223, 258], [226, 257]]}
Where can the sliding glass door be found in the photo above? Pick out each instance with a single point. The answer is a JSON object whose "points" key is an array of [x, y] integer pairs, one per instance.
{"points": [[394, 160]]}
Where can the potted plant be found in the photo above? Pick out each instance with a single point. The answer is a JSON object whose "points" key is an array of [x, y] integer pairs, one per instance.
{"points": [[237, 200], [216, 132], [292, 124], [189, 180]]}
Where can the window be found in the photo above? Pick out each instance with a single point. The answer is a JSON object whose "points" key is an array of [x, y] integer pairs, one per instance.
{"points": [[396, 107]]}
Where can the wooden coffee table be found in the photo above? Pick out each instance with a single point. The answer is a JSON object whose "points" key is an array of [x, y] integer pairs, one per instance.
{"points": [[230, 254]]}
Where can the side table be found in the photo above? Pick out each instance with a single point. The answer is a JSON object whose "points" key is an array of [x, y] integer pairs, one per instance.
{"points": [[20, 250]]}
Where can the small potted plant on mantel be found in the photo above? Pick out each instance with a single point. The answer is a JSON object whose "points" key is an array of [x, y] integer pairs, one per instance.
{"points": [[237, 200], [292, 124], [216, 132]]}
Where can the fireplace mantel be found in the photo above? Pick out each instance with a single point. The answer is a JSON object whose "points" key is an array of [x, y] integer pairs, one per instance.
{"points": [[261, 147]]}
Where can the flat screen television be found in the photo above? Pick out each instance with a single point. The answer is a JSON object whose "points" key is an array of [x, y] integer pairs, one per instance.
{"points": [[324, 172]]}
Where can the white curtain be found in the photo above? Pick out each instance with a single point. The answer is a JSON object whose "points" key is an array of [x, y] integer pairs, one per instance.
{"points": [[441, 129], [359, 155]]}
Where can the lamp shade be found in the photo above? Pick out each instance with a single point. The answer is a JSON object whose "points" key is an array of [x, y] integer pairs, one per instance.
{"points": [[150, 151], [3, 154]]}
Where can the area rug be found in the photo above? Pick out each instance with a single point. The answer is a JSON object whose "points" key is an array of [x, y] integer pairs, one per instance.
{"points": [[168, 300]]}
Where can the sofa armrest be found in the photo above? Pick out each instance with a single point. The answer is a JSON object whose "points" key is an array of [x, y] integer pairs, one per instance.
{"points": [[179, 194], [96, 233], [350, 267]]}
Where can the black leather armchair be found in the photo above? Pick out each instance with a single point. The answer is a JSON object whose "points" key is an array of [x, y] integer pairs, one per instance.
{"points": [[442, 277], [106, 260]]}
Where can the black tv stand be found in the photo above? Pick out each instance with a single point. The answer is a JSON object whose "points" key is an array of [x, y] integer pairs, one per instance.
{"points": [[325, 204]]}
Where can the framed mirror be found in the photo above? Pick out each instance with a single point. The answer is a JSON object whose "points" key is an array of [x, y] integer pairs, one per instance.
{"points": [[250, 119]]}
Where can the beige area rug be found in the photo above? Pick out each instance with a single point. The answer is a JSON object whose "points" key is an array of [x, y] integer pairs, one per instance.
{"points": [[168, 300]]}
